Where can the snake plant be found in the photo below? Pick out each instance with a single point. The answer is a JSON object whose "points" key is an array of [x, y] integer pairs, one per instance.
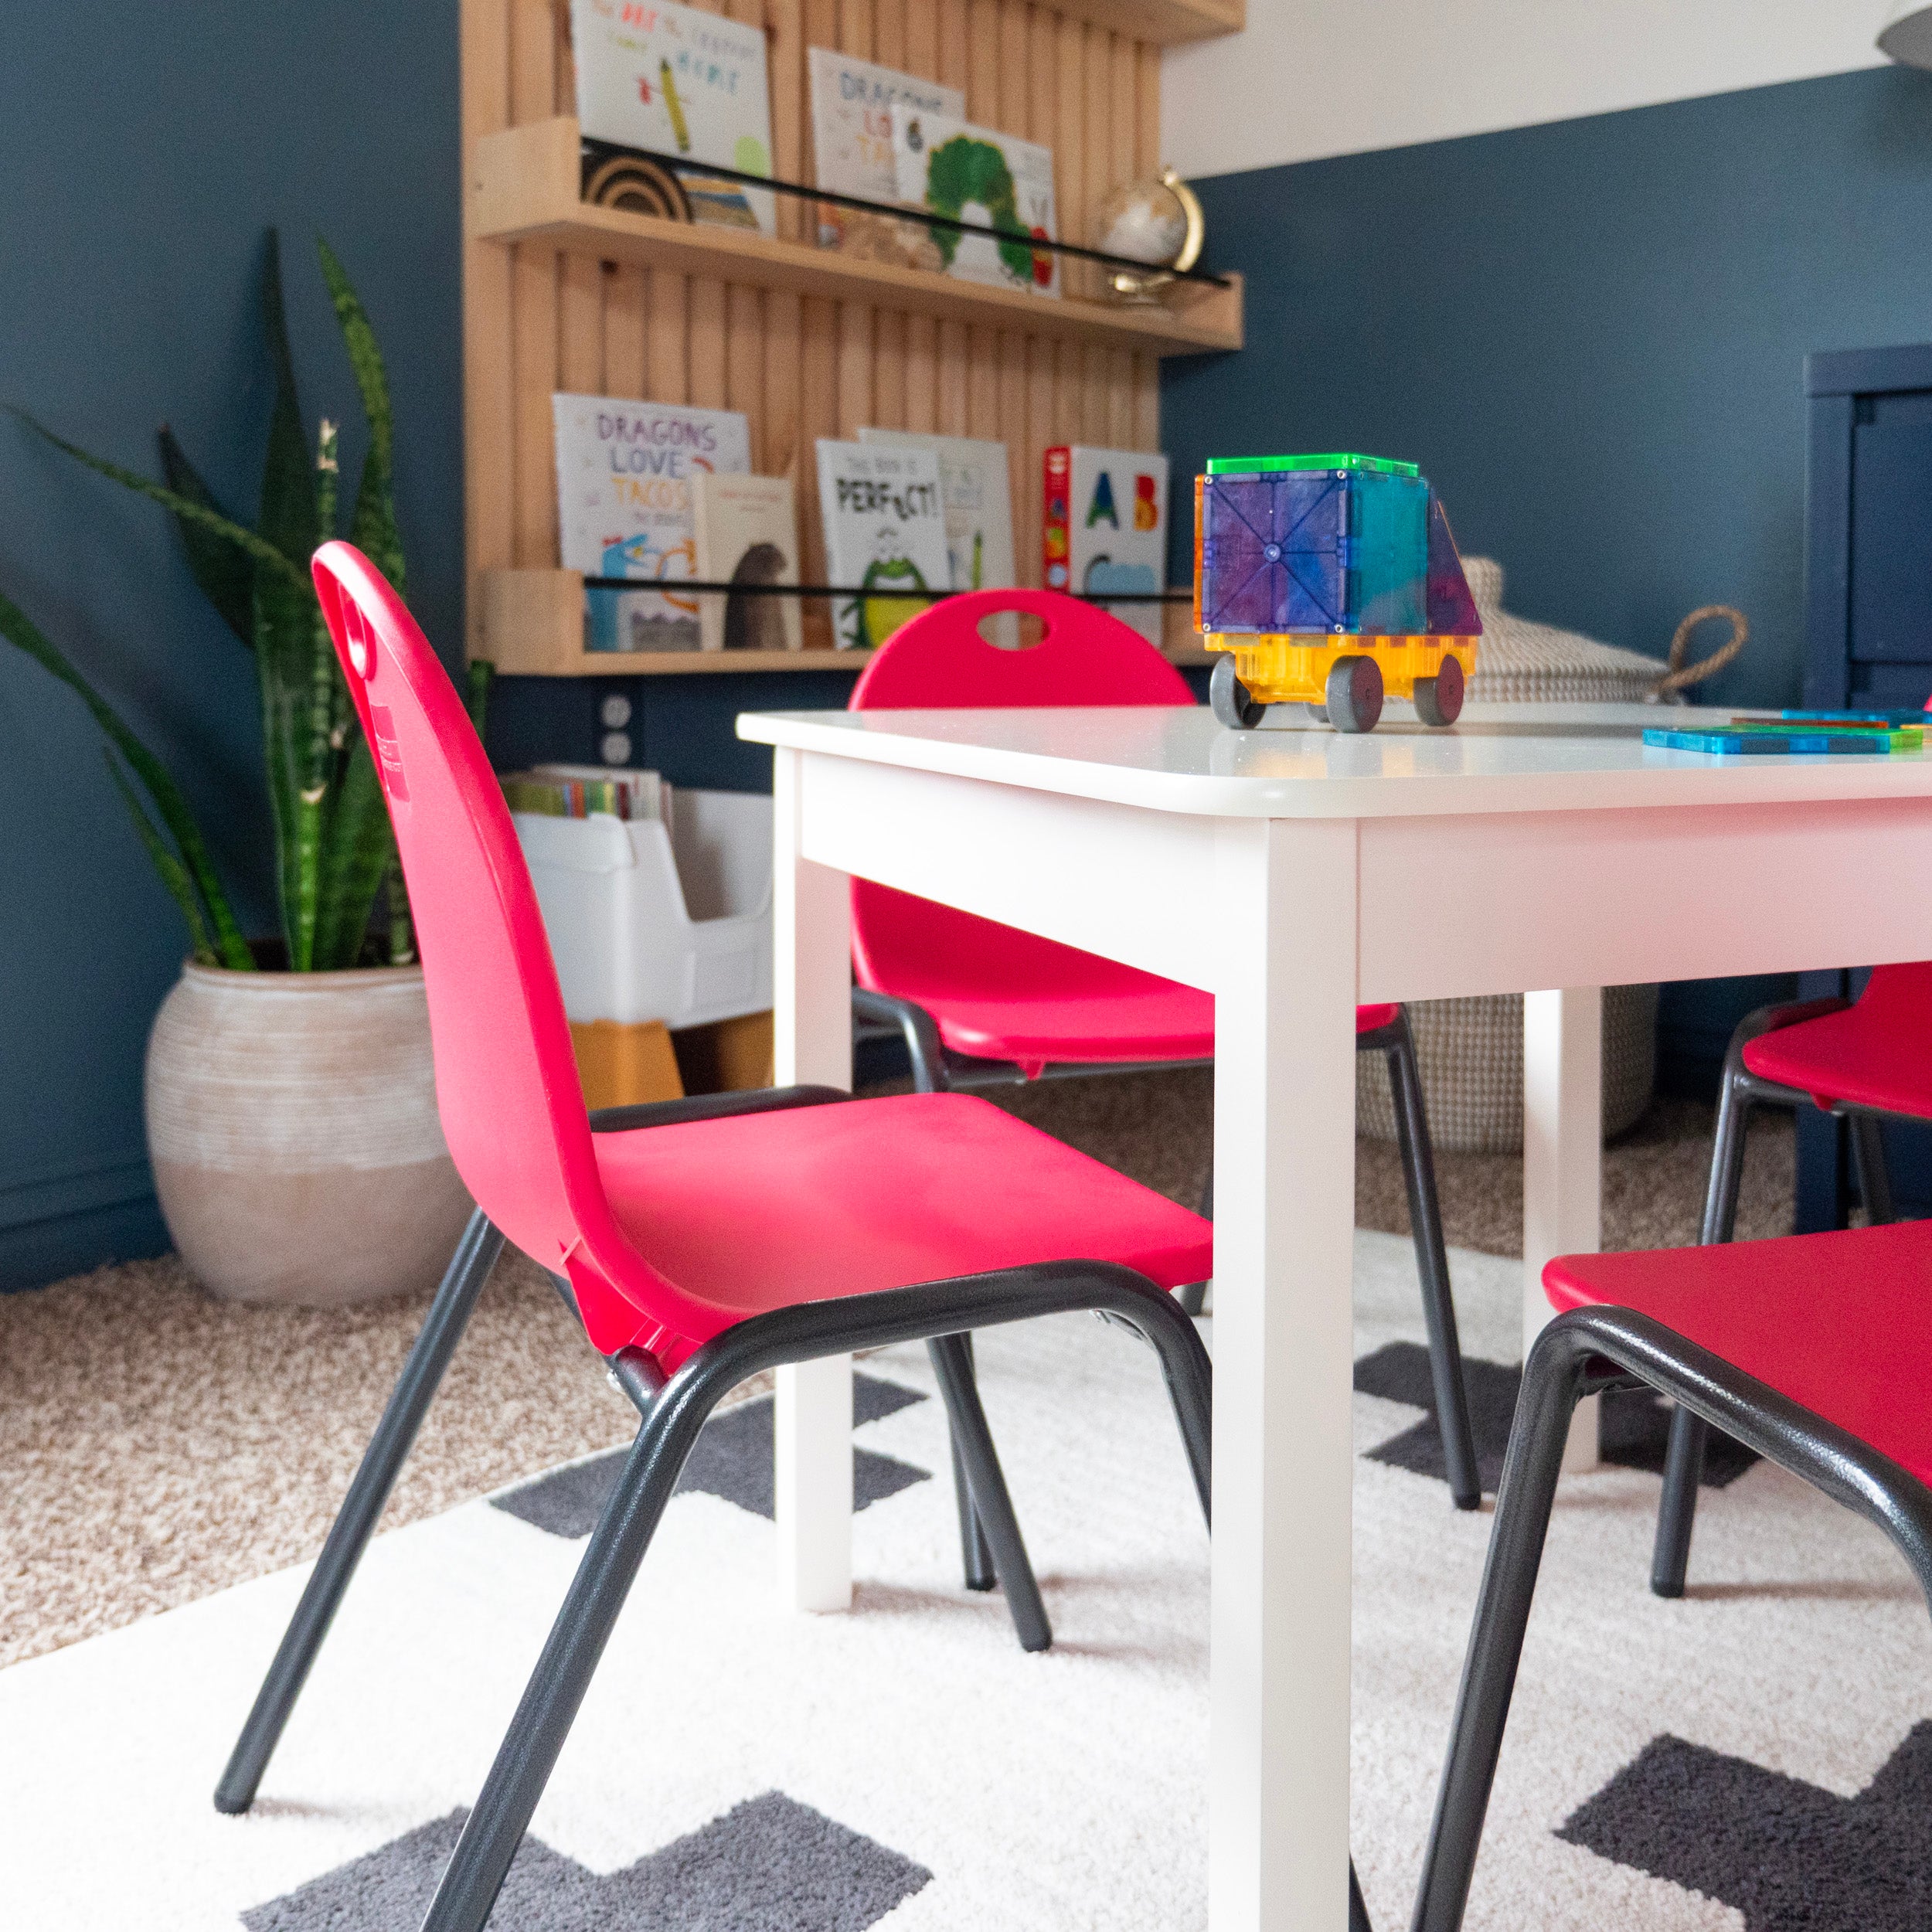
{"points": [[334, 850]]}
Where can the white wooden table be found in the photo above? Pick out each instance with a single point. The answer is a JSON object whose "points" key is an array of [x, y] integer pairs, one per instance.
{"points": [[1294, 873]]}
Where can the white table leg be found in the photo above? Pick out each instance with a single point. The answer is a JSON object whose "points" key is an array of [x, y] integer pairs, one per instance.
{"points": [[812, 988], [1562, 1159], [1283, 1248]]}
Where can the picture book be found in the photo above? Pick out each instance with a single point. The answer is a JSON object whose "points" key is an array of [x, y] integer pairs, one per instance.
{"points": [[679, 82], [1105, 515], [976, 488], [625, 509], [575, 791], [885, 521], [949, 167], [747, 533], [851, 147]]}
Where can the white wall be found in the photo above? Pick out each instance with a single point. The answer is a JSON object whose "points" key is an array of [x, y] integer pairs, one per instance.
{"points": [[1315, 77]]}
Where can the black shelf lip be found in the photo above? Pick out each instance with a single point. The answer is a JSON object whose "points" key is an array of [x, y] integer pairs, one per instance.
{"points": [[597, 151], [691, 586]]}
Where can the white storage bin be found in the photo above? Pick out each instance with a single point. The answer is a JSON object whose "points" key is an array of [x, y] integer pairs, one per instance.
{"points": [[649, 926]]}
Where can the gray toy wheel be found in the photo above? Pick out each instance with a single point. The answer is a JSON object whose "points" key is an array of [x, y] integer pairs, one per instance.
{"points": [[1353, 694], [1439, 700], [1229, 700]]}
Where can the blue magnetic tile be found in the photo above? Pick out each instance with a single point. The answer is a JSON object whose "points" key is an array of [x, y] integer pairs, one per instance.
{"points": [[1745, 744], [1893, 718]]}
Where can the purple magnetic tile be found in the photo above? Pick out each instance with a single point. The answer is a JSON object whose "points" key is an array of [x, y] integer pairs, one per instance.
{"points": [[1272, 552], [1452, 610]]}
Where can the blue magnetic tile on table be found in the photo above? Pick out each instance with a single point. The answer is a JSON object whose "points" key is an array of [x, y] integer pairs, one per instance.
{"points": [[1894, 718], [1736, 744]]}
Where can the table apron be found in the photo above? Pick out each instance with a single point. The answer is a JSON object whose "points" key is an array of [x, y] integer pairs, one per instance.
{"points": [[1449, 906], [1073, 869], [1500, 904]]}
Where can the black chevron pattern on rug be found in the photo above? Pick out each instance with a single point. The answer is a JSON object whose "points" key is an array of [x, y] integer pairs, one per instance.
{"points": [[1788, 1856], [733, 1459], [1635, 1423], [768, 1865]]}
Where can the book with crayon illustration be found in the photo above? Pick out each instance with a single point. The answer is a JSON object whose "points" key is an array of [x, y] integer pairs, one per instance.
{"points": [[677, 81]]}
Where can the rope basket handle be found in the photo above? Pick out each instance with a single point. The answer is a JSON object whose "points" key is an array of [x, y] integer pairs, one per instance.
{"points": [[1681, 675]]}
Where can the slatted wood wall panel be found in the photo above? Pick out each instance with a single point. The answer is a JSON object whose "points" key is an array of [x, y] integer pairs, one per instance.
{"points": [[537, 321]]}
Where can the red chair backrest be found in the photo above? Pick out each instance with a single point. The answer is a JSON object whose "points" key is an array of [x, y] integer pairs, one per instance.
{"points": [[939, 660], [507, 1088]]}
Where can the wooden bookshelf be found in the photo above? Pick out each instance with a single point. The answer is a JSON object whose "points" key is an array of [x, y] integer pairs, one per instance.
{"points": [[524, 188], [1163, 23], [532, 626], [558, 296]]}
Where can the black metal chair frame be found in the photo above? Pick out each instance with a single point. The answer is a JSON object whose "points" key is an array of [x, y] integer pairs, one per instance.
{"points": [[937, 1069], [672, 1412], [1582, 1353], [997, 1542], [1740, 1091]]}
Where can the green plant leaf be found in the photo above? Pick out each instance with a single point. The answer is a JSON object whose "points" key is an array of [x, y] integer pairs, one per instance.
{"points": [[286, 518], [359, 845], [479, 675], [183, 506], [372, 529], [225, 572], [174, 874], [20, 631], [285, 618]]}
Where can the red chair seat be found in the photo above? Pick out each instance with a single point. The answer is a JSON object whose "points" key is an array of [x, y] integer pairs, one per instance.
{"points": [[1877, 1053], [996, 993], [1836, 1322], [1000, 994], [768, 1210]]}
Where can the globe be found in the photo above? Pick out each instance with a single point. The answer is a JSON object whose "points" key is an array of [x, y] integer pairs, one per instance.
{"points": [[1157, 222]]}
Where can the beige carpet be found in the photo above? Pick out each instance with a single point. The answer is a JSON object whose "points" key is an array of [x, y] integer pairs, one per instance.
{"points": [[157, 1445]]}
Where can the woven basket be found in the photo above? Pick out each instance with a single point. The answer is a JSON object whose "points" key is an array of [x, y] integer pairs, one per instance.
{"points": [[1470, 1054], [1520, 662], [1471, 1050]]}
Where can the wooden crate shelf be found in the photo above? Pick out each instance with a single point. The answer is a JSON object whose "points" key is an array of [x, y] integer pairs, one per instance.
{"points": [[532, 626], [524, 188]]}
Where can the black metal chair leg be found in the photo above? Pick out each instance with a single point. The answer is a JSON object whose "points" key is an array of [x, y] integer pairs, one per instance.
{"points": [[976, 1554], [1727, 1156], [992, 1507], [449, 1314], [1553, 1377], [1683, 1462], [1677, 1511], [555, 1692], [1432, 1264], [1874, 1179]]}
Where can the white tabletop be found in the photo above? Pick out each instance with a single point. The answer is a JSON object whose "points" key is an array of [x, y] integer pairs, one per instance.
{"points": [[1498, 758]]}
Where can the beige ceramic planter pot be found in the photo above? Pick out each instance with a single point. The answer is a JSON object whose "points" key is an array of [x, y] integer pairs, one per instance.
{"points": [[291, 1121]]}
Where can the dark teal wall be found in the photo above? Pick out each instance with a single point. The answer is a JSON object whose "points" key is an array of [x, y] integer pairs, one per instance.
{"points": [[143, 162], [1591, 336]]}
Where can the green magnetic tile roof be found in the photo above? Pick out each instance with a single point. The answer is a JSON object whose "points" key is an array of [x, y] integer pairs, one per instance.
{"points": [[1345, 460]]}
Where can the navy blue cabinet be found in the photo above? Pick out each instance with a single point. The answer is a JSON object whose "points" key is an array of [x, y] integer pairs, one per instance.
{"points": [[1868, 595]]}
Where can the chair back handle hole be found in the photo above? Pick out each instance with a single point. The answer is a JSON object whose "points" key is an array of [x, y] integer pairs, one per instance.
{"points": [[1012, 630]]}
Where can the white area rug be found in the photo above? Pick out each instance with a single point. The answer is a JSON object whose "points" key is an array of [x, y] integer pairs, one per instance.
{"points": [[969, 1787]]}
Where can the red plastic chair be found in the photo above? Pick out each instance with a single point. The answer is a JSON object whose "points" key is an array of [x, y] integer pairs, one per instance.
{"points": [[1812, 1350], [700, 1241], [1864, 1060], [979, 1004]]}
